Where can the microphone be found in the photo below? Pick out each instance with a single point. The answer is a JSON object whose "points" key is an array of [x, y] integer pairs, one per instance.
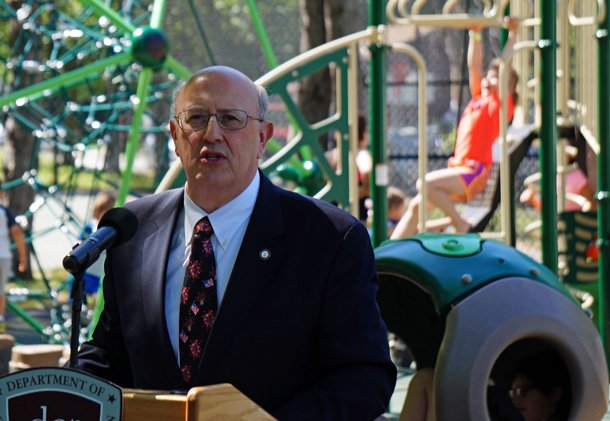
{"points": [[116, 227]]}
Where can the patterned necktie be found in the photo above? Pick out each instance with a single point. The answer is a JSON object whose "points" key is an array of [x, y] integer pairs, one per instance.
{"points": [[198, 301]]}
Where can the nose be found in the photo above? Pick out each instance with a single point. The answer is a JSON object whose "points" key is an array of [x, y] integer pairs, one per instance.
{"points": [[212, 132]]}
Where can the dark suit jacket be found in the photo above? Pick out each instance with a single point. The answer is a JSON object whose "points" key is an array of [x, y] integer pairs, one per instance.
{"points": [[299, 333]]}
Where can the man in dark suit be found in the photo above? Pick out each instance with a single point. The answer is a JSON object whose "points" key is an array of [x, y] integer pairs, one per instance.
{"points": [[296, 329]]}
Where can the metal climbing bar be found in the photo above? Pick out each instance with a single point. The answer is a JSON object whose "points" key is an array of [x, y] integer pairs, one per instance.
{"points": [[596, 19], [115, 18], [341, 186], [46, 87], [397, 12]]}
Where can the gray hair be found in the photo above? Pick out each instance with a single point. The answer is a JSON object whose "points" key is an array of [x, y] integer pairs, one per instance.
{"points": [[263, 101], [263, 97]]}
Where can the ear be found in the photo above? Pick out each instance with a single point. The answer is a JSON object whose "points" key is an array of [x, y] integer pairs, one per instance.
{"points": [[173, 130], [264, 134]]}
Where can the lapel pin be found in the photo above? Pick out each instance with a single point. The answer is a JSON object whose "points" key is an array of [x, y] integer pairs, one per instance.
{"points": [[264, 254]]}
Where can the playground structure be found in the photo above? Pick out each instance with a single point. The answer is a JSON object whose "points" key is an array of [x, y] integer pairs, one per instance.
{"points": [[132, 52], [472, 308]]}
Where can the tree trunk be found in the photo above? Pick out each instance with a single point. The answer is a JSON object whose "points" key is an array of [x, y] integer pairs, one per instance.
{"points": [[314, 91], [323, 21], [344, 18]]}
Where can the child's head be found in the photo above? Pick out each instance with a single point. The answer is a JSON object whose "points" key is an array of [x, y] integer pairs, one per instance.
{"points": [[396, 203], [491, 78], [363, 135], [396, 207], [104, 201], [540, 388]]}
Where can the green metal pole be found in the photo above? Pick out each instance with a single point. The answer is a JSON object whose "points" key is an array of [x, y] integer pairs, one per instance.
{"points": [[380, 173], [202, 34], [263, 38], [271, 59], [157, 15], [113, 16], [172, 65], [130, 153], [512, 194], [29, 319], [156, 21], [65, 79], [603, 178], [133, 141], [134, 134], [548, 133]]}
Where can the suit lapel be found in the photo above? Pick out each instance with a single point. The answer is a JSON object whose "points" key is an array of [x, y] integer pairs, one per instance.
{"points": [[155, 252], [260, 253]]}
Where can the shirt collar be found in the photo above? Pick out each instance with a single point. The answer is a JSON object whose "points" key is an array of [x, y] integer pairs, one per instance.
{"points": [[225, 219]]}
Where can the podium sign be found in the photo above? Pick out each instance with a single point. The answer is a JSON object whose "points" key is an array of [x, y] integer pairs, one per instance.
{"points": [[54, 393]]}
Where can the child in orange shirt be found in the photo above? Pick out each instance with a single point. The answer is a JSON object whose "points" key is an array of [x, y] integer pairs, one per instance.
{"points": [[478, 129]]}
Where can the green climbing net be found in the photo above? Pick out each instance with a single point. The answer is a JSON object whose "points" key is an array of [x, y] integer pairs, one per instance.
{"points": [[83, 88]]}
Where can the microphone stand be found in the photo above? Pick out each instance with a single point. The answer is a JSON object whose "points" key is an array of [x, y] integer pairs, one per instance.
{"points": [[117, 226], [77, 295]]}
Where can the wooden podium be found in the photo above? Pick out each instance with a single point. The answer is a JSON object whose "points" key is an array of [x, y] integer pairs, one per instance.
{"points": [[217, 402]]}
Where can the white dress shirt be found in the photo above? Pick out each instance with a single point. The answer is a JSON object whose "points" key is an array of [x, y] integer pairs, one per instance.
{"points": [[229, 223]]}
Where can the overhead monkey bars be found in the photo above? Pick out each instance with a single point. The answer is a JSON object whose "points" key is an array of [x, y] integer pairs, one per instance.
{"points": [[398, 12], [492, 14]]}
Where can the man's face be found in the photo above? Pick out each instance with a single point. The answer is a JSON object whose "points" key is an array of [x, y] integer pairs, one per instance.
{"points": [[217, 160]]}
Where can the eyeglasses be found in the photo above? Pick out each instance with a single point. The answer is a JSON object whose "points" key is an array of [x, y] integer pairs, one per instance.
{"points": [[519, 392], [197, 119]]}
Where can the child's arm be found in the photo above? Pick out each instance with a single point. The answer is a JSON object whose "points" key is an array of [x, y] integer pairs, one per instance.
{"points": [[475, 61], [19, 239]]}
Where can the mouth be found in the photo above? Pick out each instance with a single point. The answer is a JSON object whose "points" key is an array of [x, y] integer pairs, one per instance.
{"points": [[210, 155]]}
